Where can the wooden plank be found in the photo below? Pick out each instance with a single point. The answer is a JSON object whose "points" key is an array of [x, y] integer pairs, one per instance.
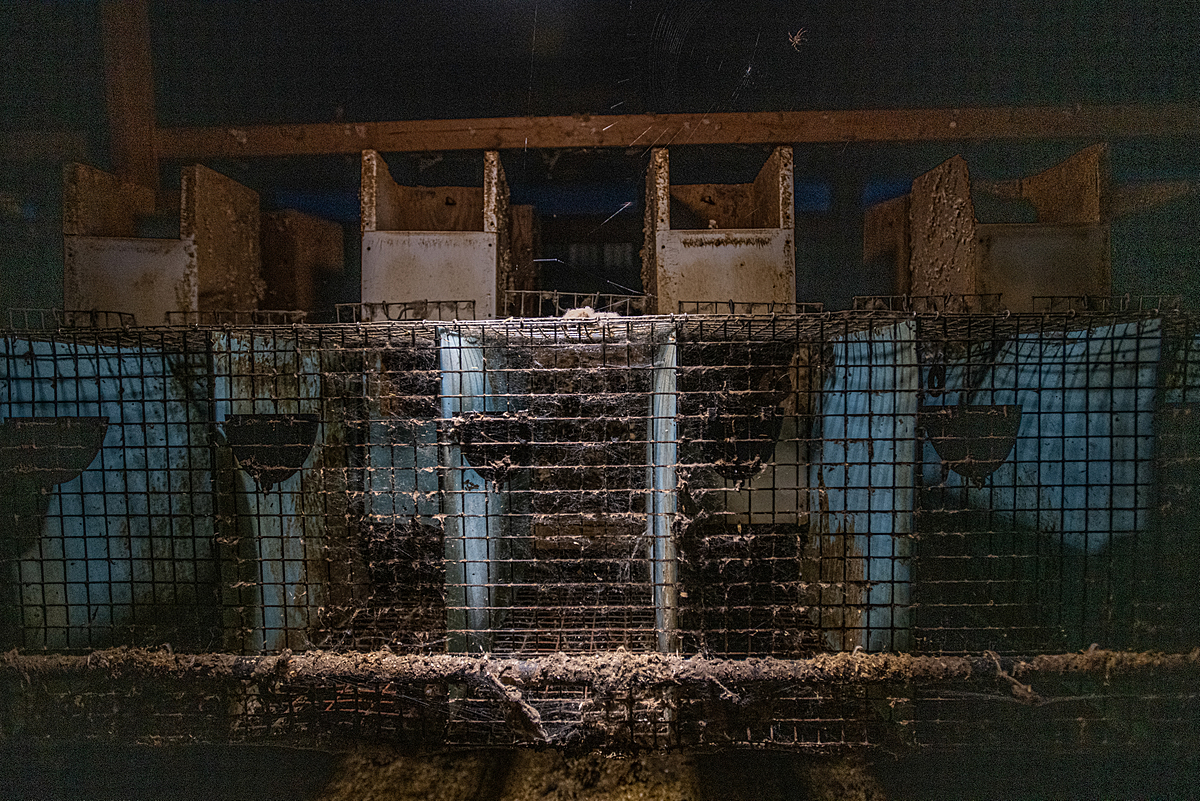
{"points": [[143, 277], [656, 222], [98, 203], [646, 130], [129, 90], [496, 220], [408, 266], [1021, 261], [524, 246], [886, 241], [701, 207], [747, 265], [1074, 191], [772, 190], [388, 206]]}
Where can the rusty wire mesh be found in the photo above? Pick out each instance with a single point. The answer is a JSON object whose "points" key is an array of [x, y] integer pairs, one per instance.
{"points": [[756, 493]]}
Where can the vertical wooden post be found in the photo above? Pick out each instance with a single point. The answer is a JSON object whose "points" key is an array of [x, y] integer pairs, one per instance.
{"points": [[657, 219], [129, 90]]}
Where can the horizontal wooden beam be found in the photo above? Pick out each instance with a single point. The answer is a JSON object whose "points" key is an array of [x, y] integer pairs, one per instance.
{"points": [[645, 130]]}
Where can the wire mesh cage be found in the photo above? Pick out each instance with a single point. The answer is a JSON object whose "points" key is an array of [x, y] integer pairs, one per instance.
{"points": [[552, 303], [809, 531], [1105, 303], [377, 312], [747, 307], [45, 319], [247, 317], [932, 304]]}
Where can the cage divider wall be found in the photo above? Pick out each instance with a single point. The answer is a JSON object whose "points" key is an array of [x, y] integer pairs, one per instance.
{"points": [[719, 242], [298, 252], [210, 258], [435, 243]]}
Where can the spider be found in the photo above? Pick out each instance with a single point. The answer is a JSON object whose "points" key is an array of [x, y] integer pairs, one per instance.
{"points": [[797, 38]]}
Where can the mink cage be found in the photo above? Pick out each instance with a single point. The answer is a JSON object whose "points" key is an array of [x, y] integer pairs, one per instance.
{"points": [[551, 459], [989, 486]]}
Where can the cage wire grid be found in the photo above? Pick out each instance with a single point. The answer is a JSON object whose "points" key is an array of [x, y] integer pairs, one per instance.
{"points": [[810, 531]]}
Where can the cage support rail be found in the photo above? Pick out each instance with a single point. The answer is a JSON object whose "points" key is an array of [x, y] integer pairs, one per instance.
{"points": [[608, 671]]}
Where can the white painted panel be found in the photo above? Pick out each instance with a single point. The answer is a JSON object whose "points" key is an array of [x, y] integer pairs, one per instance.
{"points": [[744, 265], [430, 265], [144, 277]]}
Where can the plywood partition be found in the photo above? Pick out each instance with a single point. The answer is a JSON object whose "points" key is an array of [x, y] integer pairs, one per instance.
{"points": [[435, 243], [524, 241], [106, 265], [1074, 191], [98, 203], [213, 264], [886, 241], [719, 242], [944, 253], [221, 218], [943, 249], [297, 251], [771, 192]]}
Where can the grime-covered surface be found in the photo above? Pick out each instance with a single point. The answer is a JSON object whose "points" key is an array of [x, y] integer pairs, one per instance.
{"points": [[619, 703], [810, 532]]}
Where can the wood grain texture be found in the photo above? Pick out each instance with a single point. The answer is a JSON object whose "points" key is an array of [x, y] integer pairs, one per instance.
{"points": [[646, 130]]}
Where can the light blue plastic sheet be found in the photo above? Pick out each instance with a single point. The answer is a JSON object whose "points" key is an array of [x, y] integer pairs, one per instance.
{"points": [[1082, 466], [473, 506], [862, 478], [124, 553]]}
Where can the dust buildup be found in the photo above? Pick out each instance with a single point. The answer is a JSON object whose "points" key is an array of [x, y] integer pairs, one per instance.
{"points": [[583, 582], [744, 593], [731, 404]]}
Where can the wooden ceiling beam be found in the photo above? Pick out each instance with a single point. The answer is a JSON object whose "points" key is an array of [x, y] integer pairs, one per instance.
{"points": [[645, 130]]}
